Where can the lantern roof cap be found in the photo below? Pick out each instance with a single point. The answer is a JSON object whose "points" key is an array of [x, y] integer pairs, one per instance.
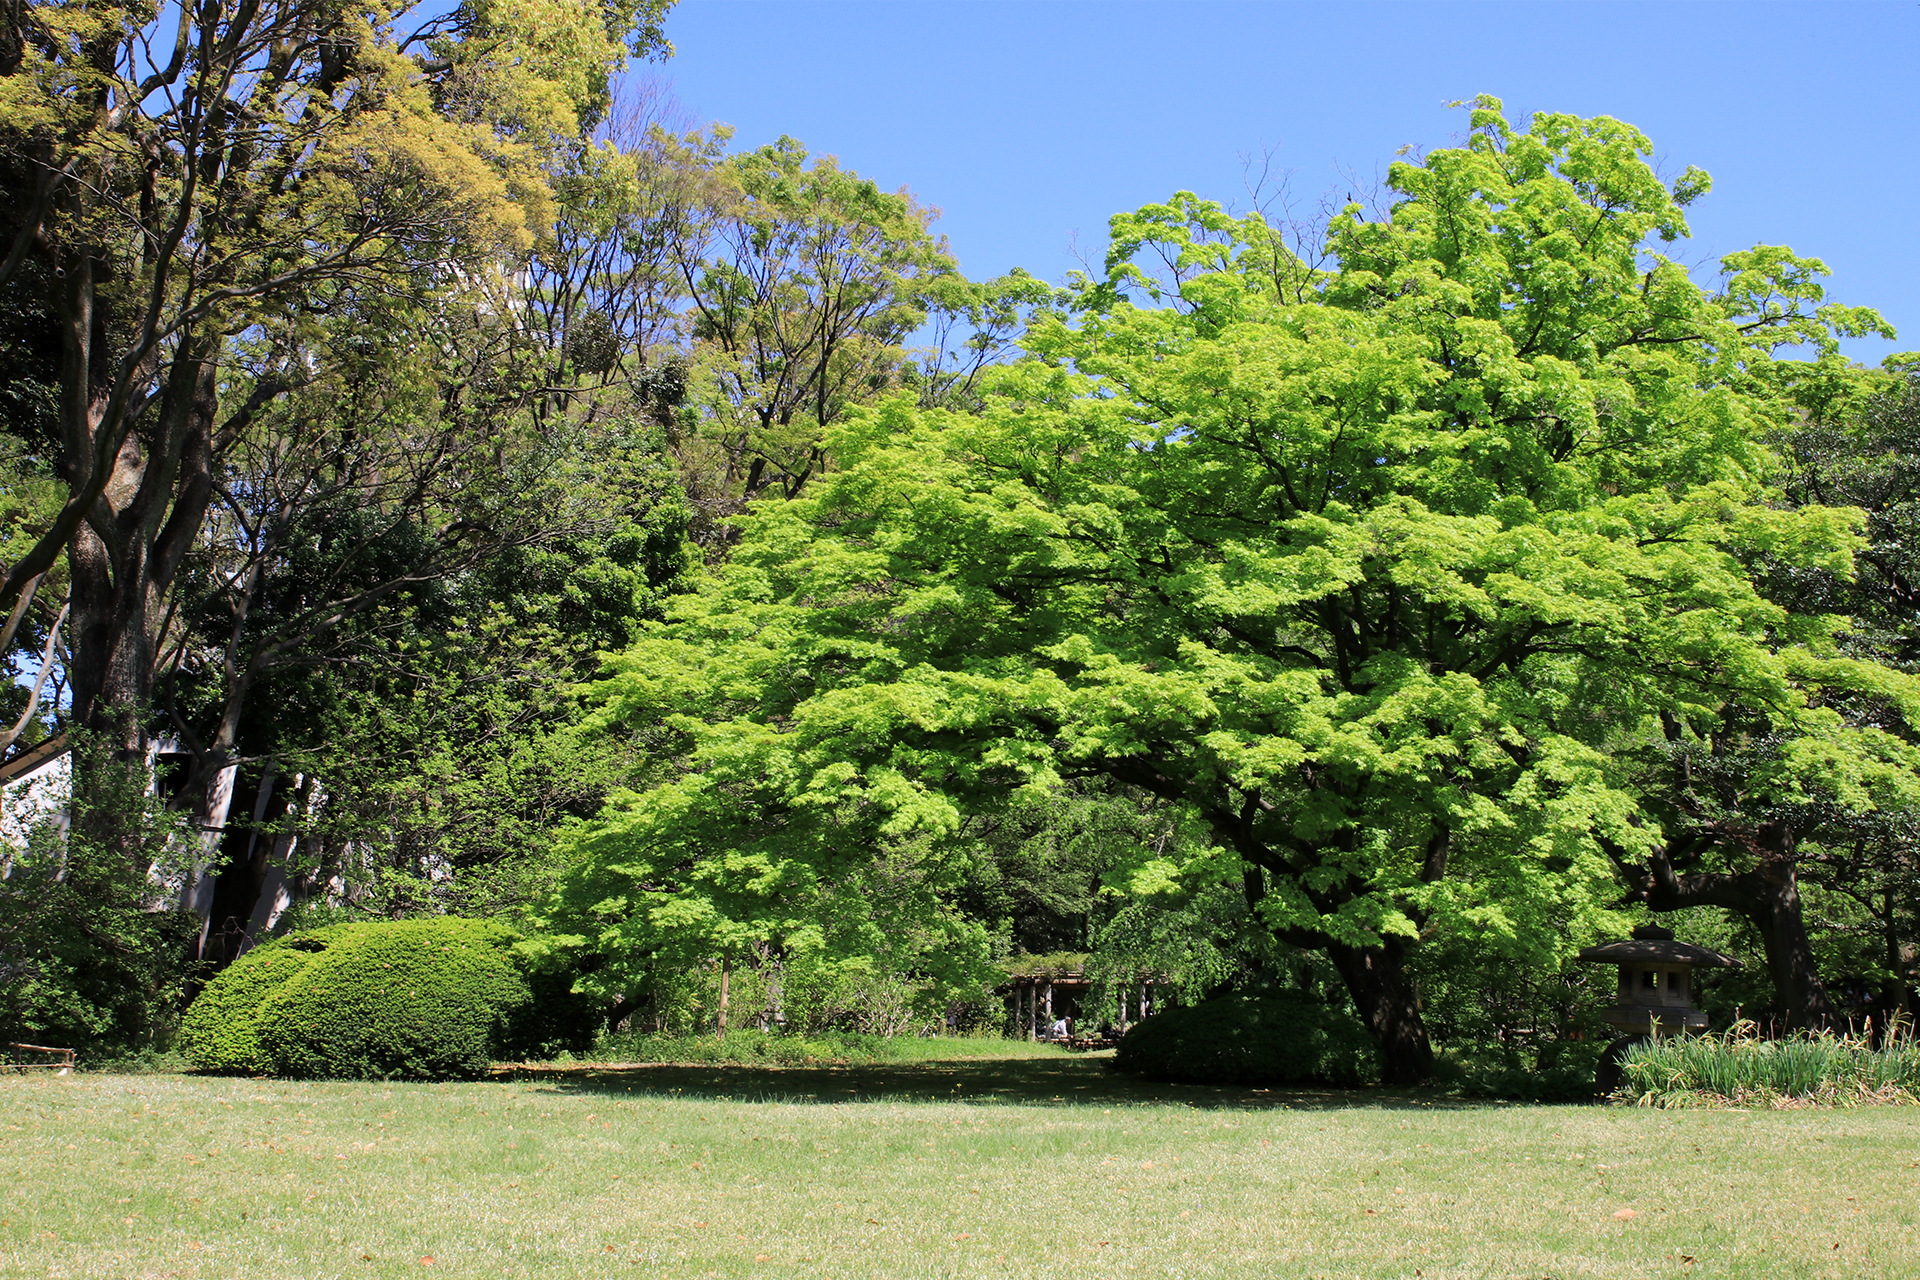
{"points": [[1651, 944]]}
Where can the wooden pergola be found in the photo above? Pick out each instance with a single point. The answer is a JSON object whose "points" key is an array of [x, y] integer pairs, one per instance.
{"points": [[1031, 998]]}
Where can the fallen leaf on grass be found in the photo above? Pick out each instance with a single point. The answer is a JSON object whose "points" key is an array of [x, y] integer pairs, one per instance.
{"points": [[759, 1257], [427, 1261], [1624, 1215]]}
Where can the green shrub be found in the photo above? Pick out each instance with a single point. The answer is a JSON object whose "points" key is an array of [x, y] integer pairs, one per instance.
{"points": [[1561, 1071], [84, 963], [430, 998], [221, 1030], [1562, 1082], [1251, 1040], [1740, 1069]]}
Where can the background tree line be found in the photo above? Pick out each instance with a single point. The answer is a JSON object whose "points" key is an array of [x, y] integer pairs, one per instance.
{"points": [[368, 374], [1371, 613]]}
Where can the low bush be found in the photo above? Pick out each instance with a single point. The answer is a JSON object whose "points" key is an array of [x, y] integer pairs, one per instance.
{"points": [[221, 1030], [426, 999], [1740, 1069], [1562, 1082], [1563, 1071], [1251, 1040], [430, 998]]}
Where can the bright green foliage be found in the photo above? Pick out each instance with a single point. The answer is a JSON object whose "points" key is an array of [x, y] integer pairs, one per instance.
{"points": [[221, 1030], [431, 998], [1375, 572], [1040, 860], [1251, 1040], [855, 919]]}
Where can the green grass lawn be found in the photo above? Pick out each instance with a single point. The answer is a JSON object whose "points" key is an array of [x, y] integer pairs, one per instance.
{"points": [[1039, 1164]]}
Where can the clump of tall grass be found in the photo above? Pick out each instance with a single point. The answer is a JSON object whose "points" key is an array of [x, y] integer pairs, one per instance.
{"points": [[1740, 1069]]}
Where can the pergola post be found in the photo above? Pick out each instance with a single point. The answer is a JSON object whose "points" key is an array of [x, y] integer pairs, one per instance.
{"points": [[1049, 1006]]}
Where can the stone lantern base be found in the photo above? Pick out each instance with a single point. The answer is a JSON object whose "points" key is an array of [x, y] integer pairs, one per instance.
{"points": [[1655, 1019]]}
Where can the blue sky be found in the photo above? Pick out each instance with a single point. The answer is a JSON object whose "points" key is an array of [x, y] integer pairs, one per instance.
{"points": [[1028, 124]]}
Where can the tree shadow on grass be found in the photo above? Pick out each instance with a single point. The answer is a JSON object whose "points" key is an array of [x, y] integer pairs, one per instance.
{"points": [[1080, 1080]]}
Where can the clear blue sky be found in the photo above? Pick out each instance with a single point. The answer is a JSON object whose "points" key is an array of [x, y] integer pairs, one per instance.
{"points": [[1028, 124]]}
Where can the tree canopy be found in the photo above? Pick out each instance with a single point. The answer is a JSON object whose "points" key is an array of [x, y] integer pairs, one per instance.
{"points": [[1389, 572]]}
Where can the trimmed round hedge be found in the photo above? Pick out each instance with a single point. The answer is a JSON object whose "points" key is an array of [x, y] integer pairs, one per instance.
{"points": [[1251, 1040], [428, 999], [221, 1030]]}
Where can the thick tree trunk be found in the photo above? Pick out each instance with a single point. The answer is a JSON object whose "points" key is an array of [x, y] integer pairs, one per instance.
{"points": [[1769, 898], [1376, 978], [124, 558], [1777, 913]]}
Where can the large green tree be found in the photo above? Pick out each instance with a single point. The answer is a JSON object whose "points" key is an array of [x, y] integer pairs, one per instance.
{"points": [[1387, 573]]}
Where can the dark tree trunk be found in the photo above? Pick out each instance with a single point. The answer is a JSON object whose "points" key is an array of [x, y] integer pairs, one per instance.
{"points": [[1895, 1007], [1768, 897], [1376, 978], [125, 556]]}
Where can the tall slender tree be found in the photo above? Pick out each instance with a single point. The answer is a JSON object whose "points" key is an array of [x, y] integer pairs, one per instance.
{"points": [[199, 182]]}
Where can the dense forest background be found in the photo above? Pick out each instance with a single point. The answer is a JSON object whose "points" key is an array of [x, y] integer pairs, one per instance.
{"points": [[438, 478]]}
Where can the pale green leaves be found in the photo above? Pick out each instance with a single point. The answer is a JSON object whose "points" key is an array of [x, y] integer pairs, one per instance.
{"points": [[1389, 573]]}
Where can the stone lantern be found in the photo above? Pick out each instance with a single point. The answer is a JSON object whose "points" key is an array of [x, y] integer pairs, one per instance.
{"points": [[1656, 981], [1655, 995]]}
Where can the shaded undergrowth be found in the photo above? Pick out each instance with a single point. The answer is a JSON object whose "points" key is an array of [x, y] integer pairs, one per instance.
{"points": [[1055, 1078]]}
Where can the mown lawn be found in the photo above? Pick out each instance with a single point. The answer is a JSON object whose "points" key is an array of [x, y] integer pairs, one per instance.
{"points": [[1029, 1166]]}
